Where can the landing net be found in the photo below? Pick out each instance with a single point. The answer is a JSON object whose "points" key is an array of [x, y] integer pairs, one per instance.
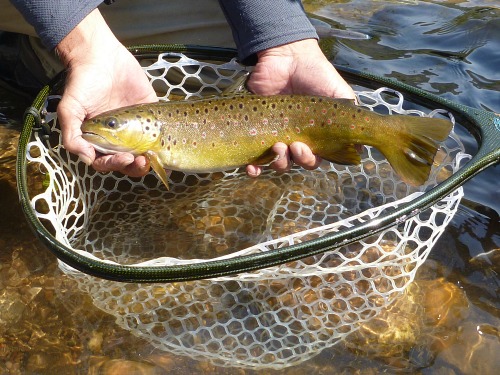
{"points": [[270, 318]]}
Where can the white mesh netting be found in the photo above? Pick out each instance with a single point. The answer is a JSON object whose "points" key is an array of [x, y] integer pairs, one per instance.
{"points": [[271, 318]]}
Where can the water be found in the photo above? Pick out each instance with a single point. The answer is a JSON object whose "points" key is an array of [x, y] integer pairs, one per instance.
{"points": [[452, 326]]}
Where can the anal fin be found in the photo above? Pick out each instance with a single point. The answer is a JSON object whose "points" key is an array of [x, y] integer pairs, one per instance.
{"points": [[347, 155]]}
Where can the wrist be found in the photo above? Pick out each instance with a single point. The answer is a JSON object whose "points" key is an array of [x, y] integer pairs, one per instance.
{"points": [[84, 42], [291, 49]]}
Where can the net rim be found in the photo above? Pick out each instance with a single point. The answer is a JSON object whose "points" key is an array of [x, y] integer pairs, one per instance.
{"points": [[277, 256]]}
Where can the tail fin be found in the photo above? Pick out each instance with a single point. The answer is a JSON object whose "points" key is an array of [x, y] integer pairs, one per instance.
{"points": [[412, 153]]}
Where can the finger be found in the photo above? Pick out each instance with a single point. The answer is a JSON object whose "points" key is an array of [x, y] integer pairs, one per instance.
{"points": [[253, 170], [70, 123], [124, 163], [302, 155], [282, 162]]}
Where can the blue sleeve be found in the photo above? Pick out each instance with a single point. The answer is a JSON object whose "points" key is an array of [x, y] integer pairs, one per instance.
{"points": [[54, 19], [262, 24]]}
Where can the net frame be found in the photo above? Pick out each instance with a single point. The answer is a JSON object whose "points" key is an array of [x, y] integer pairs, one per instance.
{"points": [[296, 309]]}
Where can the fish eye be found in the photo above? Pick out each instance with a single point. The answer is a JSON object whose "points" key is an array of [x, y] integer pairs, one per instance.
{"points": [[111, 122]]}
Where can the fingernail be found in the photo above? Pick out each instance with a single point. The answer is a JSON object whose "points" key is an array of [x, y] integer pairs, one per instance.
{"points": [[85, 159]]}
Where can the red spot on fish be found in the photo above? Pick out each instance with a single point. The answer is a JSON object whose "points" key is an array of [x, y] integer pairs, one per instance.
{"points": [[253, 131], [285, 120], [311, 122], [194, 143], [352, 126], [265, 121], [274, 132], [297, 129], [262, 142], [323, 111], [203, 135], [367, 119], [184, 141], [329, 121], [306, 109]]}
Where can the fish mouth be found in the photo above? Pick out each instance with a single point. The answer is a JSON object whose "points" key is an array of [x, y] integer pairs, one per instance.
{"points": [[101, 143]]}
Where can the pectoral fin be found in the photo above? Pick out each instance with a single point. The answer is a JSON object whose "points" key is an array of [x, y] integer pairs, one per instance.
{"points": [[348, 155], [155, 163]]}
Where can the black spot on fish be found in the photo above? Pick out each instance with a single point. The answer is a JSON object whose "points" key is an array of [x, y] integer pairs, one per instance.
{"points": [[206, 110], [240, 106], [353, 115], [177, 111], [254, 109], [264, 102], [273, 106], [313, 100], [148, 120], [175, 142], [246, 117], [216, 108], [162, 143], [138, 116], [335, 105], [197, 111], [169, 114], [147, 128], [213, 144], [231, 107], [185, 113], [290, 106]]}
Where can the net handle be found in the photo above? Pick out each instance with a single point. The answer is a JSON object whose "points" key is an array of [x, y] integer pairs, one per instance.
{"points": [[483, 125]]}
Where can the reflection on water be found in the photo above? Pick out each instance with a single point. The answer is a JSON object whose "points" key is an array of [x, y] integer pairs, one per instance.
{"points": [[446, 322]]}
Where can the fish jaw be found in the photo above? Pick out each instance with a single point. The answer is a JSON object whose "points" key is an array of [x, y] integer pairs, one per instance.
{"points": [[102, 145]]}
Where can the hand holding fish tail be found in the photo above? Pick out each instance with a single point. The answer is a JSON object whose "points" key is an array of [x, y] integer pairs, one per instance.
{"points": [[295, 68], [93, 87]]}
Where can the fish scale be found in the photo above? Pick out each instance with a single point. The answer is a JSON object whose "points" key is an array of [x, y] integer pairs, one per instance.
{"points": [[226, 133]]}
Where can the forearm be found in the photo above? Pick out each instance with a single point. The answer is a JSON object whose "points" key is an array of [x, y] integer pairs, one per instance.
{"points": [[54, 19], [258, 25]]}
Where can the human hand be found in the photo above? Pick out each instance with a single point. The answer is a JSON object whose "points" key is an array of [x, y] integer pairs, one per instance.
{"points": [[295, 68], [102, 75]]}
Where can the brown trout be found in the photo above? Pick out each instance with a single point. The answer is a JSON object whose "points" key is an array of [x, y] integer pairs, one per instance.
{"points": [[211, 135]]}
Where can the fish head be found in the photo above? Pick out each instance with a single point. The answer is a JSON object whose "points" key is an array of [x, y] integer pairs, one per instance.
{"points": [[132, 130]]}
